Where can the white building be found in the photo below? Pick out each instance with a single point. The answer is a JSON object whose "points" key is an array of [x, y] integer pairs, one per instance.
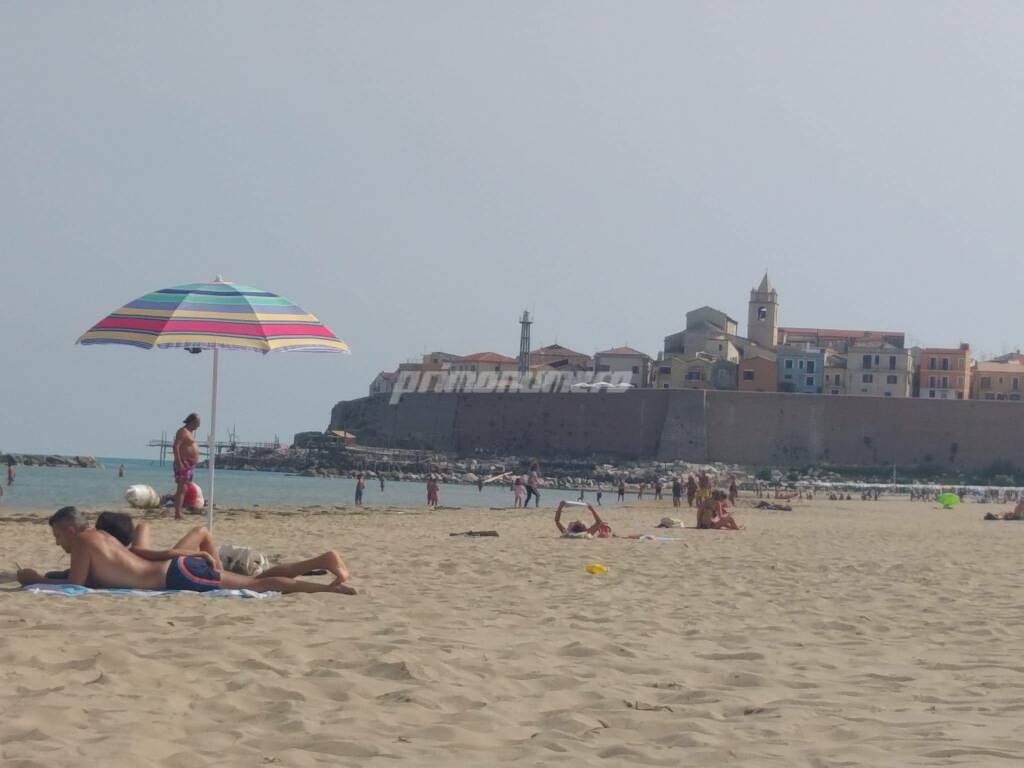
{"points": [[623, 360]]}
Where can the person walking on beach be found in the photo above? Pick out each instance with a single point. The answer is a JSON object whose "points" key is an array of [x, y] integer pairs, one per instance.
{"points": [[518, 492], [691, 491], [360, 486], [10, 470], [532, 483], [186, 456], [657, 488], [622, 489], [432, 492], [677, 492]]}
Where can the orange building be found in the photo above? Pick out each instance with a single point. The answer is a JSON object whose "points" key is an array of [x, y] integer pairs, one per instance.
{"points": [[944, 373], [997, 381], [757, 373]]}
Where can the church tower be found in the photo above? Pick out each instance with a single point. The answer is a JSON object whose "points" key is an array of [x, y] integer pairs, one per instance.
{"points": [[763, 315]]}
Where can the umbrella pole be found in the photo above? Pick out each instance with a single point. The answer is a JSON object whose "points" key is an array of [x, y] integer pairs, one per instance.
{"points": [[212, 443]]}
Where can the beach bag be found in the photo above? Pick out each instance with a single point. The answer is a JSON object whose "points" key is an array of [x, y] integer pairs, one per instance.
{"points": [[142, 497], [243, 560]]}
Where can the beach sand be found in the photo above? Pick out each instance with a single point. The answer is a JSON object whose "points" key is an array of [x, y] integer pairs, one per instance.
{"points": [[839, 634]]}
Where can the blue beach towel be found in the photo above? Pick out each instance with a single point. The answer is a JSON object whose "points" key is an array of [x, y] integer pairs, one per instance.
{"points": [[74, 590]]}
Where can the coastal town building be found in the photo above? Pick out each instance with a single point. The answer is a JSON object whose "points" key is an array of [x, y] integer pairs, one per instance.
{"points": [[383, 383], [838, 339], [699, 371], [625, 360], [437, 361], [483, 362], [758, 372], [555, 356], [763, 315], [942, 373], [801, 368], [835, 375], [878, 369], [997, 381]]}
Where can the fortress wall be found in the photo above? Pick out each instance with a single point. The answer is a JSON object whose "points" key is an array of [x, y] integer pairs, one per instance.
{"points": [[738, 427]]}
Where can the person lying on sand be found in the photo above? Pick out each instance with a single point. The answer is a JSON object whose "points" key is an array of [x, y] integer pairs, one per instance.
{"points": [[1016, 514], [776, 507], [577, 529], [98, 559], [137, 536]]}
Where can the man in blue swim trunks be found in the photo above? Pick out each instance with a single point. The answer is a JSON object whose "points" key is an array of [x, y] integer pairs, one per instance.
{"points": [[97, 558]]}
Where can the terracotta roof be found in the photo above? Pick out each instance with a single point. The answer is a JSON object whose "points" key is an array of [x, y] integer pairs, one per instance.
{"points": [[386, 375], [487, 357], [1013, 369], [622, 351], [554, 349]]}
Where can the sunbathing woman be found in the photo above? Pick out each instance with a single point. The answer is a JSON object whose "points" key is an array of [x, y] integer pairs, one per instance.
{"points": [[577, 529]]}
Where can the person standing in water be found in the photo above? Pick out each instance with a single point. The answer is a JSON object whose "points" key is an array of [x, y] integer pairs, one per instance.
{"points": [[120, 471], [10, 470]]}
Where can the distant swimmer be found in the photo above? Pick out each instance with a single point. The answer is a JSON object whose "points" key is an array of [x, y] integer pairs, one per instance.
{"points": [[120, 471], [186, 456]]}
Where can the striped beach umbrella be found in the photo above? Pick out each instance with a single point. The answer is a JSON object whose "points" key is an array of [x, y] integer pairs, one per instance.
{"points": [[215, 316]]}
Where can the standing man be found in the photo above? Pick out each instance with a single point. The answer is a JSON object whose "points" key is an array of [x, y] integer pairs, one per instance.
{"points": [[10, 470], [120, 471], [532, 483], [380, 476], [691, 491], [677, 492], [186, 456], [360, 486]]}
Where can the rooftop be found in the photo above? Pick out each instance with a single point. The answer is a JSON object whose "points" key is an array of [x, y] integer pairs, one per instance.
{"points": [[623, 351], [487, 357], [991, 366]]}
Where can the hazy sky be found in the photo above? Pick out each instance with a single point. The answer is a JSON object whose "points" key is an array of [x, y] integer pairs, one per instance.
{"points": [[416, 174]]}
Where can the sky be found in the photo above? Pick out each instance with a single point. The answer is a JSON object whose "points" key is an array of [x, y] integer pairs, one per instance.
{"points": [[417, 174]]}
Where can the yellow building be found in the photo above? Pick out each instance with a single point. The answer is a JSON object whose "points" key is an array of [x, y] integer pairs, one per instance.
{"points": [[997, 381]]}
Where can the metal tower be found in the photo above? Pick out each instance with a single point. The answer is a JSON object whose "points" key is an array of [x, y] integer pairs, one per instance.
{"points": [[524, 342]]}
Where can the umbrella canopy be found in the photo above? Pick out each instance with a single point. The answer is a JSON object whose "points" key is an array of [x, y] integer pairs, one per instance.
{"points": [[218, 315], [948, 500]]}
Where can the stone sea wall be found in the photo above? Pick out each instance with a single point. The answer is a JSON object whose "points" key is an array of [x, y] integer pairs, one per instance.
{"points": [[45, 460], [750, 428]]}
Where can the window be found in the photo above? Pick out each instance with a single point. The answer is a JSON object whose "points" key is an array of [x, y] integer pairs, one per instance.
{"points": [[945, 363], [801, 365], [1015, 397], [876, 359], [986, 382], [989, 396], [931, 381], [789, 365], [809, 381], [888, 394], [636, 369], [762, 313], [891, 379], [694, 374], [1016, 383], [892, 362], [960, 363], [959, 381], [931, 363], [836, 378], [866, 362], [664, 370], [665, 386], [867, 378], [835, 391], [931, 393], [810, 366], [945, 382], [748, 375], [788, 376]]}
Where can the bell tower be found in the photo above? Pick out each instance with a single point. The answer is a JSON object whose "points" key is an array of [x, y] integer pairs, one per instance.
{"points": [[763, 315]]}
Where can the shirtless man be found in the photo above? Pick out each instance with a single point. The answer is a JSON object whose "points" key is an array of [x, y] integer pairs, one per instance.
{"points": [[97, 558], [138, 536], [186, 456]]}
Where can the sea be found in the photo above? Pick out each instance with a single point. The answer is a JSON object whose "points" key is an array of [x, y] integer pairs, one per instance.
{"points": [[49, 488]]}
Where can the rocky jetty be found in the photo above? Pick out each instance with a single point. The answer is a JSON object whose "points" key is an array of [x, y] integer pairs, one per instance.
{"points": [[51, 460]]}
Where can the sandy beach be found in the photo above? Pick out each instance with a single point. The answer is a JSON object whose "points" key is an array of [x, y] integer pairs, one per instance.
{"points": [[839, 634]]}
